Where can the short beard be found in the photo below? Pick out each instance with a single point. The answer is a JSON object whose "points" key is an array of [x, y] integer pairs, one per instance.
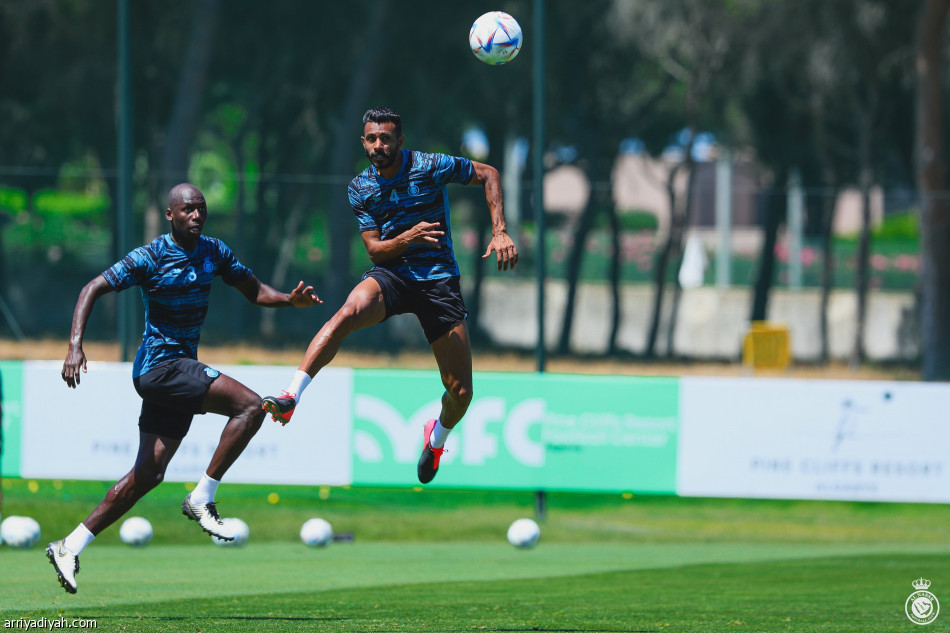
{"points": [[389, 160]]}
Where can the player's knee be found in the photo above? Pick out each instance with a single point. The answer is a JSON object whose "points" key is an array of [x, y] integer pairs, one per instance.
{"points": [[147, 478], [460, 393], [156, 478], [344, 319], [254, 415]]}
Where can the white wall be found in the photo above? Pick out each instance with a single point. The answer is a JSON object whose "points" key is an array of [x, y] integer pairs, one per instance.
{"points": [[710, 323]]}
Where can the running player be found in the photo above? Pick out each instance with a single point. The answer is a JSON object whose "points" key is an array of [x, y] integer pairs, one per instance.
{"points": [[174, 272], [402, 209]]}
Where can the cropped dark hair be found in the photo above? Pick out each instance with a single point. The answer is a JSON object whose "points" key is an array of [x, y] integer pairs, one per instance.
{"points": [[384, 115]]}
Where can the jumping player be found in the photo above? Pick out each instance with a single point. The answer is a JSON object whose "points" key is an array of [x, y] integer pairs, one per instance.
{"points": [[402, 209], [174, 272]]}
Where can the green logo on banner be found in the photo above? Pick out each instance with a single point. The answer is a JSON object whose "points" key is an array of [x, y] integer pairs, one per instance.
{"points": [[546, 431]]}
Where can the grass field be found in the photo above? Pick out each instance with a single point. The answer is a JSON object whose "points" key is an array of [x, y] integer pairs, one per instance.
{"points": [[437, 560]]}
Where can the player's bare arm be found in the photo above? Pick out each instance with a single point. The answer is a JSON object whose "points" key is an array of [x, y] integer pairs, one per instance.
{"points": [[260, 294], [75, 357], [425, 233], [501, 243]]}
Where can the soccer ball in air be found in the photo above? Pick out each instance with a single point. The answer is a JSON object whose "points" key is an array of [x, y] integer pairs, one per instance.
{"points": [[524, 533], [238, 529], [495, 38], [316, 533], [20, 532], [136, 531]]}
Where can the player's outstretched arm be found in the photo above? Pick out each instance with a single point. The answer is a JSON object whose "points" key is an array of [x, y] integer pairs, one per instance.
{"points": [[75, 362], [504, 247], [260, 294], [424, 233]]}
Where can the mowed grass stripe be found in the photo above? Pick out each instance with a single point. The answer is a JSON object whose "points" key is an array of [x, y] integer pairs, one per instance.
{"points": [[121, 575], [828, 594]]}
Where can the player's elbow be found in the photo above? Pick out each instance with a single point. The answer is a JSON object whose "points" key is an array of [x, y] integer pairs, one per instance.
{"points": [[485, 174], [379, 254], [96, 287], [255, 292]]}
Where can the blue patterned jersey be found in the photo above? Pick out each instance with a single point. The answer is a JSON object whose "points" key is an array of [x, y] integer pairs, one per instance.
{"points": [[175, 287], [415, 194]]}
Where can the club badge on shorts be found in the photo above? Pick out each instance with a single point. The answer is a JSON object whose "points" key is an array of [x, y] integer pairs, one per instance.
{"points": [[212, 373], [922, 606]]}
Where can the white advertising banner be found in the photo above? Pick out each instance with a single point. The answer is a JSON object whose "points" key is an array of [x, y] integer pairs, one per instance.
{"points": [[805, 439], [91, 432]]}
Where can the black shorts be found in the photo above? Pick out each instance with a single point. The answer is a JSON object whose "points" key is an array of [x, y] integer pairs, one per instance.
{"points": [[172, 394], [437, 303]]}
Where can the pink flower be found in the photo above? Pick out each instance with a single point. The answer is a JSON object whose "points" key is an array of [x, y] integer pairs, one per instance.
{"points": [[781, 252], [906, 263], [809, 256]]}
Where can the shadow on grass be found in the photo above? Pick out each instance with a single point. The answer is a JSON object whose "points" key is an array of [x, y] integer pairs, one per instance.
{"points": [[544, 630], [247, 618], [256, 618]]}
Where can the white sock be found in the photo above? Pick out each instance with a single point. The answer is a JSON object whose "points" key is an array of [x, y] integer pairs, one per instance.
{"points": [[204, 490], [79, 539], [298, 384], [438, 435]]}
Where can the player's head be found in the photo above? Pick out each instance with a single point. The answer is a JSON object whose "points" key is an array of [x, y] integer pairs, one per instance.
{"points": [[187, 211], [183, 192], [382, 137], [384, 115]]}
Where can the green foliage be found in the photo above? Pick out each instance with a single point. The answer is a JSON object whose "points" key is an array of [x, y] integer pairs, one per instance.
{"points": [[68, 204], [215, 175], [900, 230], [637, 220], [899, 226], [13, 199]]}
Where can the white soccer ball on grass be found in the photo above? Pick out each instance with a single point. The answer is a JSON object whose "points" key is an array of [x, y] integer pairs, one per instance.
{"points": [[20, 532], [524, 533], [237, 528], [316, 533], [136, 531]]}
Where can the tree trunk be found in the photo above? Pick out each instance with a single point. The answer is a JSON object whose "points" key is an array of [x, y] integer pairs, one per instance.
{"points": [[827, 264], [238, 303], [862, 275], [827, 202], [584, 224], [482, 227], [775, 212], [677, 288], [302, 203], [931, 184], [662, 263], [180, 131], [481, 224], [615, 271], [340, 222]]}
